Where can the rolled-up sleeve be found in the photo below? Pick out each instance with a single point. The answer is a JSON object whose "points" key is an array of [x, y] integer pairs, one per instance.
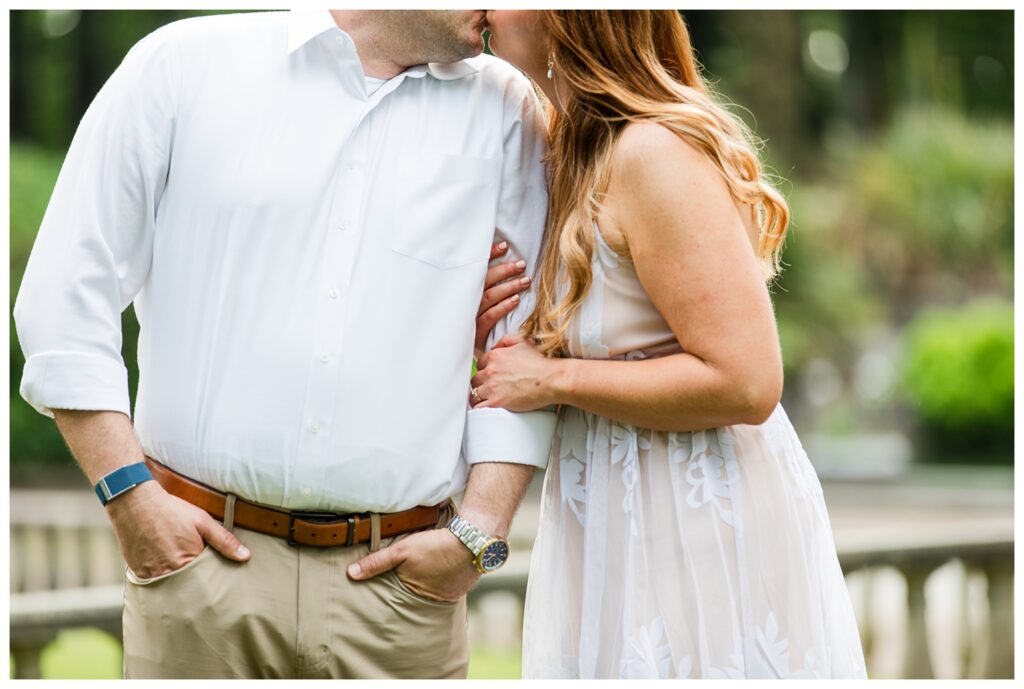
{"points": [[495, 434], [94, 247]]}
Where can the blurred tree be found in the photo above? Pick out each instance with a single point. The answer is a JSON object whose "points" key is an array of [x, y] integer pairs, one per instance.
{"points": [[61, 58], [893, 129], [919, 213], [754, 61], [929, 212]]}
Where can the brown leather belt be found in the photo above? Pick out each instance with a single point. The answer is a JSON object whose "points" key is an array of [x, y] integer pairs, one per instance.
{"points": [[298, 528]]}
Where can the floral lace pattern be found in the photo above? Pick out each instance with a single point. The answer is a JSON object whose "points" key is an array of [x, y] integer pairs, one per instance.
{"points": [[649, 656], [626, 446], [762, 654], [711, 468], [572, 442]]}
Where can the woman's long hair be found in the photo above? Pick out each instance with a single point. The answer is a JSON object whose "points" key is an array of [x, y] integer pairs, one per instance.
{"points": [[625, 66]]}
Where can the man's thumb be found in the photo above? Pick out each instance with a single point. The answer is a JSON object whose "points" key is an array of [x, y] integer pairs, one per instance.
{"points": [[374, 564], [222, 540]]}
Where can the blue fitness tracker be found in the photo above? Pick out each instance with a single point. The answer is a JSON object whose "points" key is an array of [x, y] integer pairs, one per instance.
{"points": [[121, 481]]}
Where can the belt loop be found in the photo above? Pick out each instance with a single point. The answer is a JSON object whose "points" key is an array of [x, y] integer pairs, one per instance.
{"points": [[229, 512], [374, 532]]}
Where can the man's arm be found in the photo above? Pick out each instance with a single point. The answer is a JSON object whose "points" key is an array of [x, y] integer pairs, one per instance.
{"points": [[157, 532], [89, 260], [435, 564], [494, 434], [502, 448]]}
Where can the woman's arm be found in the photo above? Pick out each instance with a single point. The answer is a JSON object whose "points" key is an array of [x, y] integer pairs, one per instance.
{"points": [[694, 256]]}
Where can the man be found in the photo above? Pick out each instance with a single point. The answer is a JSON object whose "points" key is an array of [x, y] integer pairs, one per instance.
{"points": [[301, 208]]}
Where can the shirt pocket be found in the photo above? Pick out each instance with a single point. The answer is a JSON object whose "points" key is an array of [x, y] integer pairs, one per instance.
{"points": [[446, 208]]}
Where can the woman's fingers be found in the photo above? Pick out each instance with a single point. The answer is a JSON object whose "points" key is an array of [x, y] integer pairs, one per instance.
{"points": [[480, 398], [475, 383], [498, 248], [495, 294], [510, 340], [482, 401], [501, 292], [486, 320], [498, 286], [502, 287], [500, 297]]}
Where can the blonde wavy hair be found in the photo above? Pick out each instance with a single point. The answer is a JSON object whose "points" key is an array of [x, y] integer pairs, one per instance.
{"points": [[625, 66]]}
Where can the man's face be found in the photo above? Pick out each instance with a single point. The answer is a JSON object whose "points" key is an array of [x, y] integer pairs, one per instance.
{"points": [[439, 35]]}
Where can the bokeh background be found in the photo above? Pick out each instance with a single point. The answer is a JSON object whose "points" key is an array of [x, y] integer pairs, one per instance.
{"points": [[891, 135]]}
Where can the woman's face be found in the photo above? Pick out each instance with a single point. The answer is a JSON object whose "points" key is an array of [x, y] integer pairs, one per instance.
{"points": [[519, 37]]}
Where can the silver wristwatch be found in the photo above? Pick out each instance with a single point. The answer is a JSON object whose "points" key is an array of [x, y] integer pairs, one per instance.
{"points": [[489, 552]]}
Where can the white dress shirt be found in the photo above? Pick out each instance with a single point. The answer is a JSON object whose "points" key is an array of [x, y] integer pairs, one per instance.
{"points": [[305, 262]]}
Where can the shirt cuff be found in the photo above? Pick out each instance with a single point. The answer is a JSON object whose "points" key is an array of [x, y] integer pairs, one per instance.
{"points": [[69, 380], [498, 435]]}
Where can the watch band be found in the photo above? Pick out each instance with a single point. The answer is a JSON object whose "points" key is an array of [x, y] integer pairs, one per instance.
{"points": [[472, 537], [121, 481]]}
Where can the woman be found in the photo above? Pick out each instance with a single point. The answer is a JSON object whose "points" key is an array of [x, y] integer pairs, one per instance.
{"points": [[683, 531]]}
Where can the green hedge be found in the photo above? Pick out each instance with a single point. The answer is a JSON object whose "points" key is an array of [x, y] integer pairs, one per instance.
{"points": [[959, 378]]}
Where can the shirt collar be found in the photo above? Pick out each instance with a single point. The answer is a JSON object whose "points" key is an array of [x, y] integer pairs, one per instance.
{"points": [[305, 25], [445, 71]]}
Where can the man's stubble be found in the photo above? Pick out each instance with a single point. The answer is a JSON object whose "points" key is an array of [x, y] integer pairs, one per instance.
{"points": [[431, 35]]}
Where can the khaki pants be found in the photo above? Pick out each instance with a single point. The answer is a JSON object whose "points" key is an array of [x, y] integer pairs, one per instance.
{"points": [[289, 612]]}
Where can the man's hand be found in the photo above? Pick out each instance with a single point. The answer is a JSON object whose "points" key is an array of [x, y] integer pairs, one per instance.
{"points": [[159, 532], [156, 531], [433, 564]]}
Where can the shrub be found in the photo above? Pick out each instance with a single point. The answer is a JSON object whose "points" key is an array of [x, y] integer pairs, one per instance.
{"points": [[959, 379], [33, 174]]}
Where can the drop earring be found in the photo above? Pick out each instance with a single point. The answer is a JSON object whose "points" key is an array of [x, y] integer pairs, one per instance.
{"points": [[551, 67]]}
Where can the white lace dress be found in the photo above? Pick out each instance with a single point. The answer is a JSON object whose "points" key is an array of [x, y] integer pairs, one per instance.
{"points": [[704, 554]]}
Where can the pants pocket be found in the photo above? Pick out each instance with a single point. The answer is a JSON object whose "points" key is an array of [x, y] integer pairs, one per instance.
{"points": [[392, 575], [140, 581]]}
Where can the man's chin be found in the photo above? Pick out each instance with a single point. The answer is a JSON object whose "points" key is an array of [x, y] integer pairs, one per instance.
{"points": [[475, 45], [469, 50]]}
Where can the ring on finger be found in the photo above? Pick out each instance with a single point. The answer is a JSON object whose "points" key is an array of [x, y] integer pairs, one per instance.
{"points": [[475, 394]]}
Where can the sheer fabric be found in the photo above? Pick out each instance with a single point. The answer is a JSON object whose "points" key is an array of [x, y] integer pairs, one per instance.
{"points": [[671, 555]]}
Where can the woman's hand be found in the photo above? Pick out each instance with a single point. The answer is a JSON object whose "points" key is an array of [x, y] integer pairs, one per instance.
{"points": [[501, 295], [516, 376]]}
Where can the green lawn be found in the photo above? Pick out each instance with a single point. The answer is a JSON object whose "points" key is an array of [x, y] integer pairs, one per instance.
{"points": [[485, 664], [93, 654]]}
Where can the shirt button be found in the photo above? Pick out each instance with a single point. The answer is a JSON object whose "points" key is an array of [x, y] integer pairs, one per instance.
{"points": [[324, 358], [314, 428], [307, 491], [333, 293], [343, 227], [352, 166], [339, 40]]}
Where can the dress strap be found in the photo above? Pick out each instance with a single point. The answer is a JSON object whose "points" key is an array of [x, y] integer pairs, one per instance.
{"points": [[609, 257]]}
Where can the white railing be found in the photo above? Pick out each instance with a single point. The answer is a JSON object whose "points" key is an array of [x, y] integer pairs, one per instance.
{"points": [[932, 585]]}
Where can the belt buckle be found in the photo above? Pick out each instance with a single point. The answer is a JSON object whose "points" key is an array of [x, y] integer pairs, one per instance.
{"points": [[321, 518]]}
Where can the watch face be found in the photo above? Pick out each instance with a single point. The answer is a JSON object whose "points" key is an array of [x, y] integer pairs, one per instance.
{"points": [[494, 556]]}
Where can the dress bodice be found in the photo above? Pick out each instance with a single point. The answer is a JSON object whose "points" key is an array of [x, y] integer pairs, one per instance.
{"points": [[617, 318]]}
